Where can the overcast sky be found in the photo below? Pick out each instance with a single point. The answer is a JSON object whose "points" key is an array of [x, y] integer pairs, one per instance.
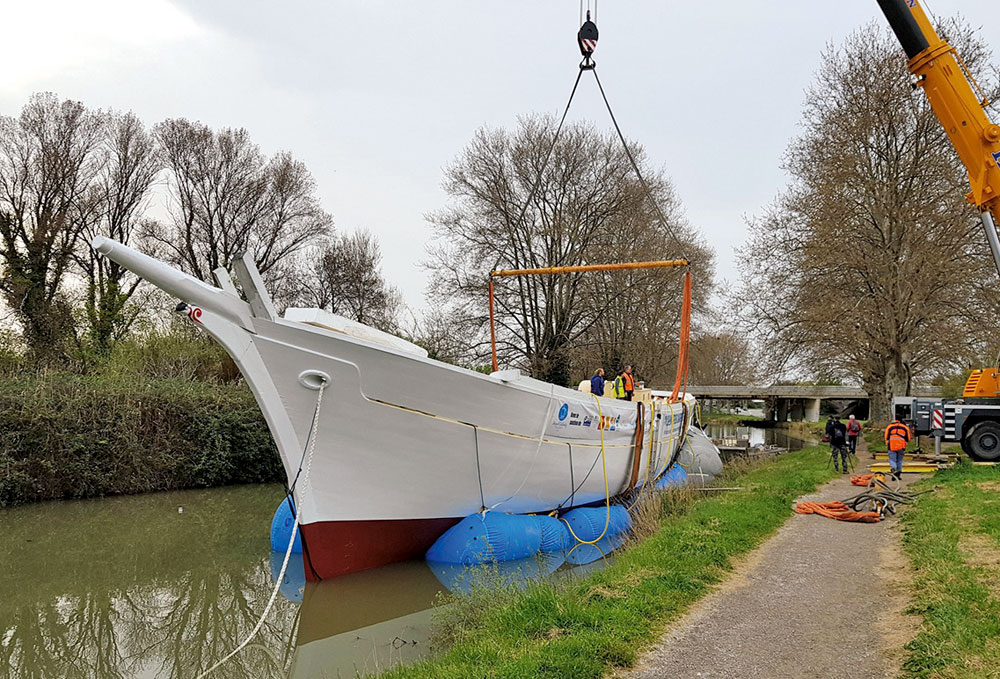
{"points": [[377, 97]]}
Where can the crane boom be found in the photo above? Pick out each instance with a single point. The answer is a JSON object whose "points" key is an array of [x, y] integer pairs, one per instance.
{"points": [[938, 69]]}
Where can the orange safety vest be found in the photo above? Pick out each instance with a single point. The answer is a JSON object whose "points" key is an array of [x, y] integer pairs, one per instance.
{"points": [[897, 435], [629, 382]]}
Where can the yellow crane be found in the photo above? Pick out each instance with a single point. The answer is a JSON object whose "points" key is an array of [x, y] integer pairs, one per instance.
{"points": [[960, 106], [958, 102]]}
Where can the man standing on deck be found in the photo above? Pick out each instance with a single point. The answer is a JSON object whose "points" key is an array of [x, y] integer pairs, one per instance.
{"points": [[897, 435], [628, 383], [597, 383]]}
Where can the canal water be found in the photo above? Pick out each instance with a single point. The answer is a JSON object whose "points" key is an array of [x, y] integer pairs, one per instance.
{"points": [[165, 584], [790, 439]]}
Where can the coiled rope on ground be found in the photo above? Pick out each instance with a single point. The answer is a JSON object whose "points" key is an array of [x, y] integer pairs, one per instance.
{"points": [[870, 506]]}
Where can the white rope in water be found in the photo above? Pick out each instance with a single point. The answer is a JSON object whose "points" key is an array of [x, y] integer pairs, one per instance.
{"points": [[310, 447]]}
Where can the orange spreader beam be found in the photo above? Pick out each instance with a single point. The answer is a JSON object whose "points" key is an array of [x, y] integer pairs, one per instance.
{"points": [[620, 266], [590, 267]]}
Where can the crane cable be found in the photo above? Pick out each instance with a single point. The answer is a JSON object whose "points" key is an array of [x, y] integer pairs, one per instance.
{"points": [[589, 65], [635, 166]]}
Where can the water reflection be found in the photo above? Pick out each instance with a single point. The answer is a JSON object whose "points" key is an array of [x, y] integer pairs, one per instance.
{"points": [[759, 436], [131, 587], [365, 622]]}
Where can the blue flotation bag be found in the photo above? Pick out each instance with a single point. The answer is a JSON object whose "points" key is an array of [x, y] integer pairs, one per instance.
{"points": [[588, 522], [555, 536], [462, 579], [294, 582], [494, 536], [281, 528], [488, 536], [584, 554], [675, 477]]}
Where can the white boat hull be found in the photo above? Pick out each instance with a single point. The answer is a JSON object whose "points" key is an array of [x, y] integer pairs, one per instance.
{"points": [[405, 445]]}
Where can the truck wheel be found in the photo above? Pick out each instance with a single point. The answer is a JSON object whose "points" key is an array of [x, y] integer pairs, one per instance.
{"points": [[984, 442]]}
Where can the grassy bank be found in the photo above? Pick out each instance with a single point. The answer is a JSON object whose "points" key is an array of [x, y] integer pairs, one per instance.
{"points": [[952, 538], [63, 435], [588, 627]]}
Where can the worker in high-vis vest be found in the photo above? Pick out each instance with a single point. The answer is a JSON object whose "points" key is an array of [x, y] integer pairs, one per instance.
{"points": [[628, 383], [897, 435], [618, 388]]}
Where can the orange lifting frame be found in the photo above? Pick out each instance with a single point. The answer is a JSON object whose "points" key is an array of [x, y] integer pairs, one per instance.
{"points": [[682, 356]]}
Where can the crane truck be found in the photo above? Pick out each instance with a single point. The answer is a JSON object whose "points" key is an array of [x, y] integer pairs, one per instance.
{"points": [[960, 106]]}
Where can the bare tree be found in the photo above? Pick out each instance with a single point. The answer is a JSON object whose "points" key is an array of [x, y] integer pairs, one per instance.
{"points": [[227, 199], [47, 162], [871, 265], [346, 279], [588, 208], [129, 164], [722, 357], [444, 340]]}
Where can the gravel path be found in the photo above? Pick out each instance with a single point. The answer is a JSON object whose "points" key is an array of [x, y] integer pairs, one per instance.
{"points": [[822, 598]]}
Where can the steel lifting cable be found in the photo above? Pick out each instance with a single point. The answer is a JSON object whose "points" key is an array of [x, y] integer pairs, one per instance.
{"points": [[589, 65], [635, 166], [307, 457], [545, 163]]}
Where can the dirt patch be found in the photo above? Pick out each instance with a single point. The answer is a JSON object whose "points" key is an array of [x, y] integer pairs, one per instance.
{"points": [[893, 625], [980, 549], [982, 552], [993, 486]]}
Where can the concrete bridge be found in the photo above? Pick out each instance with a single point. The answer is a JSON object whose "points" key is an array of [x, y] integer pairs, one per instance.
{"points": [[796, 402]]}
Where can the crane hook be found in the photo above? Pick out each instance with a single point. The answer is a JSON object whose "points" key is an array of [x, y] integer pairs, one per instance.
{"points": [[586, 38]]}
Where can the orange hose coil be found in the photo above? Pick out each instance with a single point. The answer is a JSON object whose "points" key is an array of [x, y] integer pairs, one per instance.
{"points": [[836, 510]]}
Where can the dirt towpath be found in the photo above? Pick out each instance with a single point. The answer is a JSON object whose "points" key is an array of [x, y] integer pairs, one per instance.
{"points": [[821, 598]]}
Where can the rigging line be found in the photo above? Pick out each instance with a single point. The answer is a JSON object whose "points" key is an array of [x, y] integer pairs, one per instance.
{"points": [[479, 470], [572, 483], [577, 488], [548, 155], [534, 459], [635, 166]]}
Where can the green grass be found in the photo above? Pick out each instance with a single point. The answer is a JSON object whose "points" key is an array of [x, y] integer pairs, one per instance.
{"points": [[952, 538], [586, 628]]}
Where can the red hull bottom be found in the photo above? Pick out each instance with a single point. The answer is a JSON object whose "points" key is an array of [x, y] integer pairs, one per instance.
{"points": [[333, 548]]}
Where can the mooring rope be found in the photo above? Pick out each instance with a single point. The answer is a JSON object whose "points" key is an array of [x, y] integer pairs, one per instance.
{"points": [[307, 456]]}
